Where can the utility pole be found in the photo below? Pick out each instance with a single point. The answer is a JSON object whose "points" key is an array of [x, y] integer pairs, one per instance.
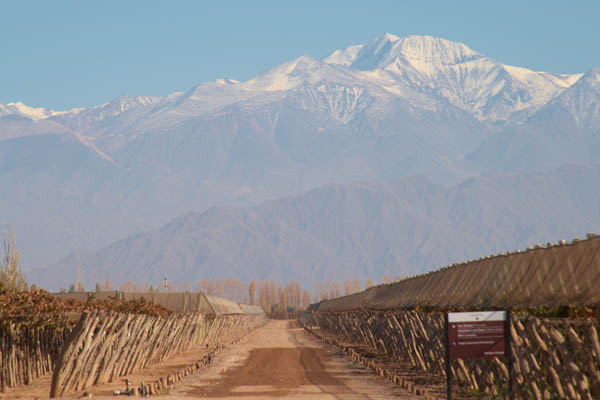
{"points": [[166, 287]]}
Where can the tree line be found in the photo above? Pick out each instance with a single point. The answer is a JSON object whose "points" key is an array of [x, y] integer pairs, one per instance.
{"points": [[271, 296]]}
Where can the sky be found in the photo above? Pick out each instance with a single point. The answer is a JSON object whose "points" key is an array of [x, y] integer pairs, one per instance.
{"points": [[66, 54]]}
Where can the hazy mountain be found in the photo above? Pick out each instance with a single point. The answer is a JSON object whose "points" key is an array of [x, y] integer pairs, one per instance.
{"points": [[391, 108], [353, 231]]}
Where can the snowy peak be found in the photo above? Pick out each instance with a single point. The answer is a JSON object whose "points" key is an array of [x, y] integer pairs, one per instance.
{"points": [[30, 112], [226, 81], [439, 51], [424, 71], [34, 113], [126, 103], [585, 92], [531, 78], [592, 78], [89, 115], [121, 106], [344, 57], [387, 49], [202, 99], [291, 74], [581, 102], [282, 77], [535, 89], [456, 73]]}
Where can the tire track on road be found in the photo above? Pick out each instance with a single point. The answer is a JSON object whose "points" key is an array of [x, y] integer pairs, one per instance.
{"points": [[318, 375]]}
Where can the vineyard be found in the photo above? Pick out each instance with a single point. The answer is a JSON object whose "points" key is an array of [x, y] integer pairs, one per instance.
{"points": [[85, 343], [552, 293], [396, 329]]}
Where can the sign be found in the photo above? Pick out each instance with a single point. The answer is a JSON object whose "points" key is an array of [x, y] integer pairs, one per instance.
{"points": [[476, 334]]}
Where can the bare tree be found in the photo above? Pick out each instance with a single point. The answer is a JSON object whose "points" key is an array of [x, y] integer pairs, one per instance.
{"points": [[78, 285], [305, 298], [348, 288], [11, 276], [251, 292], [297, 295]]}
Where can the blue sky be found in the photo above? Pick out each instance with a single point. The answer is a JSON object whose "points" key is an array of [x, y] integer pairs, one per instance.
{"points": [[65, 54]]}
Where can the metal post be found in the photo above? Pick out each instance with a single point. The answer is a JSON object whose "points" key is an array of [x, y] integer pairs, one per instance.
{"points": [[165, 284], [448, 372], [509, 355]]}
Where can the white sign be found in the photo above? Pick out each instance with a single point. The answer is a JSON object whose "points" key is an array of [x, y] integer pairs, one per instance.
{"points": [[477, 316]]}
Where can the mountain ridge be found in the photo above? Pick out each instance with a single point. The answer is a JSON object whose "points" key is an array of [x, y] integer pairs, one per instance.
{"points": [[417, 56], [356, 230], [449, 116]]}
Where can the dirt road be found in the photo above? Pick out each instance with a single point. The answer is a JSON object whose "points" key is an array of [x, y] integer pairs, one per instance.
{"points": [[281, 360]]}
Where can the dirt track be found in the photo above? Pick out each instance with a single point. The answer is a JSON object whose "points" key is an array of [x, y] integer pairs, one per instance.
{"points": [[281, 360]]}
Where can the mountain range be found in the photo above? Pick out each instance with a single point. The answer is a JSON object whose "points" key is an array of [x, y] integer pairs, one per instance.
{"points": [[392, 108], [359, 230]]}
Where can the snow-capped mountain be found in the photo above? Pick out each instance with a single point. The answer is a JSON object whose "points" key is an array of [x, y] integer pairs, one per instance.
{"points": [[581, 102], [383, 110], [467, 79], [34, 113], [566, 130], [84, 118], [421, 70], [409, 67]]}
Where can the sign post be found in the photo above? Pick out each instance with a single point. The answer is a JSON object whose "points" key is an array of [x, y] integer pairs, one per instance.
{"points": [[509, 355], [448, 371], [477, 334]]}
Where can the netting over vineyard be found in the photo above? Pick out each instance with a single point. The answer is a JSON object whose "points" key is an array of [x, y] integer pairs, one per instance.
{"points": [[564, 274]]}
